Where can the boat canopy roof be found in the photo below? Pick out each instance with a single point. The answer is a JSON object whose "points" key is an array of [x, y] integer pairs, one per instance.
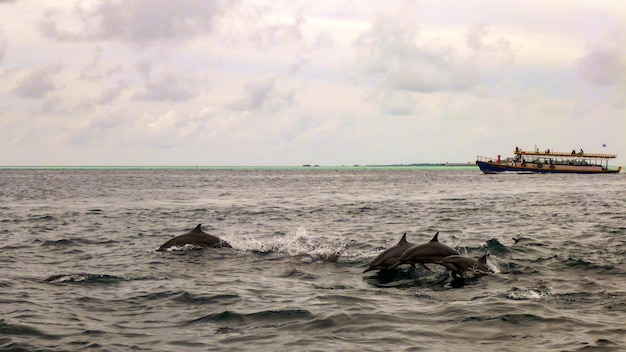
{"points": [[564, 154]]}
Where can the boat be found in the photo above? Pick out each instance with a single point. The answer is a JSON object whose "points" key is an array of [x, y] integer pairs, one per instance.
{"points": [[549, 162]]}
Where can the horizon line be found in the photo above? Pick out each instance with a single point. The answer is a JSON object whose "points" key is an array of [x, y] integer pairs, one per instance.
{"points": [[232, 166]]}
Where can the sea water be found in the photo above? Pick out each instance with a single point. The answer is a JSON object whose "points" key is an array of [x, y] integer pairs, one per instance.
{"points": [[80, 270]]}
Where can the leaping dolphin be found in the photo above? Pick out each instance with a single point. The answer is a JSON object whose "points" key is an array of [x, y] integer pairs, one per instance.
{"points": [[390, 256], [467, 267], [197, 238], [430, 252], [523, 240]]}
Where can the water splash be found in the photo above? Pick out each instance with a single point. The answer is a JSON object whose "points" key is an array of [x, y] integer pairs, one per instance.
{"points": [[520, 294], [297, 244], [496, 246], [492, 263]]}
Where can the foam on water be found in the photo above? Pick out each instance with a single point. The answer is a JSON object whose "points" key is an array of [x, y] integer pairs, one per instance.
{"points": [[526, 294], [295, 244]]}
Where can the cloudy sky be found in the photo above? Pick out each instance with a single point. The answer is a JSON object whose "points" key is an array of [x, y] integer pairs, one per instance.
{"points": [[224, 82]]}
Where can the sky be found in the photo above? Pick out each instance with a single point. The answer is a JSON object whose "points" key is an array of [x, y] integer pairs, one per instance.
{"points": [[280, 83]]}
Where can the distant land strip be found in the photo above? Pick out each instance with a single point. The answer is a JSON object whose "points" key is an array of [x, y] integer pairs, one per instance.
{"points": [[423, 164]]}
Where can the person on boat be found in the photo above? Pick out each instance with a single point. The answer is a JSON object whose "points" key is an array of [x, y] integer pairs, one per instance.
{"points": [[581, 151], [498, 158]]}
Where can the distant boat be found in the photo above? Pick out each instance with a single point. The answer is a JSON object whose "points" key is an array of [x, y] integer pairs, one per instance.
{"points": [[549, 162]]}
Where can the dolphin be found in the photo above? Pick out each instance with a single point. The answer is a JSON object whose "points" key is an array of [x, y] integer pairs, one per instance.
{"points": [[430, 252], [197, 238], [523, 240], [390, 256], [467, 267]]}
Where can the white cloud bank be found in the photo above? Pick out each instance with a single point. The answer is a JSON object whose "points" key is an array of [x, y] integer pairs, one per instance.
{"points": [[156, 82]]}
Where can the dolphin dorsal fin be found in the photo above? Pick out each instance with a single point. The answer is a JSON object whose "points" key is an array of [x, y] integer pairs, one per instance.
{"points": [[483, 259], [198, 228], [435, 239], [403, 239]]}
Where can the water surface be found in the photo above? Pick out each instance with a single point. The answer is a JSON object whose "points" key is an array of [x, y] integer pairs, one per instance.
{"points": [[97, 231]]}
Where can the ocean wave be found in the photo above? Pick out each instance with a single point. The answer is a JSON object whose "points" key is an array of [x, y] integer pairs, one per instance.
{"points": [[299, 274], [496, 246], [195, 299], [7, 328], [265, 317], [76, 242], [582, 264], [60, 242]]}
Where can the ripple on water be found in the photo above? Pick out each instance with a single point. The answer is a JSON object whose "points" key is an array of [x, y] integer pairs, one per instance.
{"points": [[265, 317]]}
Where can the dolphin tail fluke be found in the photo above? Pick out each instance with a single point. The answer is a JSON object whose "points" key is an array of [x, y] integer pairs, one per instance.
{"points": [[516, 239]]}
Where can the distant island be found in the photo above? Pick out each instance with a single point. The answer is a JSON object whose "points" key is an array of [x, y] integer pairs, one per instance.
{"points": [[469, 163]]}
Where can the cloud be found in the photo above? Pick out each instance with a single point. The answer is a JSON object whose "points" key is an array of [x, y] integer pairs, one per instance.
{"points": [[278, 34], [167, 84], [109, 94], [37, 83], [3, 47], [230, 82], [120, 128], [262, 94], [478, 40], [140, 22], [90, 71], [604, 62], [396, 56], [398, 102]]}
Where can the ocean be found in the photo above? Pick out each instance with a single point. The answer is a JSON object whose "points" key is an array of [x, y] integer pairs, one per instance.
{"points": [[80, 270]]}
